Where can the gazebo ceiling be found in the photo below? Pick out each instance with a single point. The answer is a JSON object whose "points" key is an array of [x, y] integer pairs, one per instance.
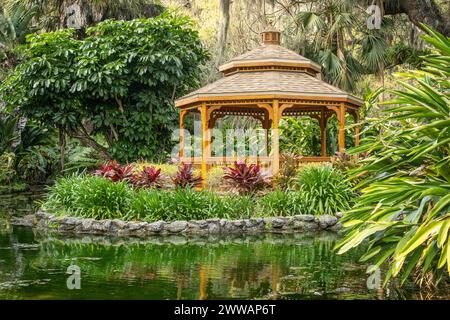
{"points": [[269, 72]]}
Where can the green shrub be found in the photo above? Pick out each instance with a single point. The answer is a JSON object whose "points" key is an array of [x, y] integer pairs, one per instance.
{"points": [[323, 190], [90, 197]]}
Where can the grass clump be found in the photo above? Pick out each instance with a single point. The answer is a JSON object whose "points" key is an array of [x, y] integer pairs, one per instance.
{"points": [[323, 190]]}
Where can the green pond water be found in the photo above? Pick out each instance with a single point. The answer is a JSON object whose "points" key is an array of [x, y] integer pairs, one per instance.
{"points": [[34, 266]]}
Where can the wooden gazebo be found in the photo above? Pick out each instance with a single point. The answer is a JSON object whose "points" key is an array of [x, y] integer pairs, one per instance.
{"points": [[268, 83]]}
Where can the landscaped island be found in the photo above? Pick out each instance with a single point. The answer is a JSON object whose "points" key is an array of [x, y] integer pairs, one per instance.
{"points": [[141, 200]]}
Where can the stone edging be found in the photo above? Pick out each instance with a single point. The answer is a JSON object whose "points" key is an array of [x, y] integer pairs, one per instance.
{"points": [[295, 224]]}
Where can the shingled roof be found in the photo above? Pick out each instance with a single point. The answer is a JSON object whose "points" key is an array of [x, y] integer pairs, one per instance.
{"points": [[269, 71]]}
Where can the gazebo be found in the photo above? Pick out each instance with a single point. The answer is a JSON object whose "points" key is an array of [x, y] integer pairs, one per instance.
{"points": [[268, 83]]}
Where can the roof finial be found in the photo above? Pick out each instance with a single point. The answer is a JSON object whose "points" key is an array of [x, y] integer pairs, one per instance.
{"points": [[270, 35]]}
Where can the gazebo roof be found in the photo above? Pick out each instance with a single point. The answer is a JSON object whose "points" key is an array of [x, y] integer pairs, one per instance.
{"points": [[269, 72]]}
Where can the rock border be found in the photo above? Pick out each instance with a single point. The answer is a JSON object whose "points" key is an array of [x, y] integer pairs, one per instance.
{"points": [[65, 224]]}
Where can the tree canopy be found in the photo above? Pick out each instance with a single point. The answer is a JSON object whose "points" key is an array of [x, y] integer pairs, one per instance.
{"points": [[114, 89]]}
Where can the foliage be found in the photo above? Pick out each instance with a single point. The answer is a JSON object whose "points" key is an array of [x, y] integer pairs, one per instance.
{"points": [[324, 190], [281, 203], [300, 136], [245, 178], [404, 210], [126, 96], [185, 177], [115, 172], [148, 177], [7, 172], [285, 178], [89, 196], [99, 198], [15, 24]]}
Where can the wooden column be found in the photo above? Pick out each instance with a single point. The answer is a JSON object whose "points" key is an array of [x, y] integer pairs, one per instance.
{"points": [[182, 115], [275, 137], [205, 141], [356, 117], [341, 138], [323, 132]]}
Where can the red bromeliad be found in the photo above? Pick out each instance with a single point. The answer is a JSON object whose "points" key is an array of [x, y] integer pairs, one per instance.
{"points": [[149, 177], [247, 178], [185, 177], [115, 172]]}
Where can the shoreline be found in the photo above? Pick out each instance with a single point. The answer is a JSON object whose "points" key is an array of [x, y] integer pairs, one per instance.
{"points": [[45, 221]]}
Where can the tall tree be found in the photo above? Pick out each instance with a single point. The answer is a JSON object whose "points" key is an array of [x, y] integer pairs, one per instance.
{"points": [[223, 30], [420, 11]]}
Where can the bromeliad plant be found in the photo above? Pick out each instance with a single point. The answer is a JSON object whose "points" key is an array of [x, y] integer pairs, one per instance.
{"points": [[404, 210], [115, 172], [245, 178], [148, 177], [185, 177]]}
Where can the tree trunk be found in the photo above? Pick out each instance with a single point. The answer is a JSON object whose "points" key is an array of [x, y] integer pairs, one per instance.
{"points": [[420, 11], [223, 32]]}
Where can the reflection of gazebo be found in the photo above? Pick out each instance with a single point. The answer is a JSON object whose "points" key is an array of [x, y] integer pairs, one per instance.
{"points": [[268, 83]]}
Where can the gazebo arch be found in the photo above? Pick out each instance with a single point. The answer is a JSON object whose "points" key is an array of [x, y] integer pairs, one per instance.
{"points": [[268, 83]]}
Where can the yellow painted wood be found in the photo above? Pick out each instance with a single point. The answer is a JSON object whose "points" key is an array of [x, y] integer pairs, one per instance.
{"points": [[323, 132], [275, 137], [205, 120], [341, 138], [182, 115]]}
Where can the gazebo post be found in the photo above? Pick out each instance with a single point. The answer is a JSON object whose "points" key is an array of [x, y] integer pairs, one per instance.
{"points": [[275, 137], [182, 115], [356, 117], [323, 132], [205, 140], [341, 138]]}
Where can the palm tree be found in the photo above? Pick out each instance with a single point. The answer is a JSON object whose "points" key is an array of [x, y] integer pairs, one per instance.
{"points": [[15, 24], [55, 14], [335, 25]]}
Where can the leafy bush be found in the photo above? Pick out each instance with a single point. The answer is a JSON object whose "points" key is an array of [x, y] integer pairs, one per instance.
{"points": [[127, 94], [7, 172], [285, 178], [404, 210], [90, 197], [115, 172], [280, 203], [245, 178], [100, 198], [185, 177], [324, 190]]}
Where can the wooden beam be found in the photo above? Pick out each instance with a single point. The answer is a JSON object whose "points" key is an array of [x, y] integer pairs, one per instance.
{"points": [[182, 115], [323, 132], [205, 142], [341, 137]]}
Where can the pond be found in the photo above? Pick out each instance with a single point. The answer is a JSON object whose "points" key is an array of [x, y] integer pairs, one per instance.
{"points": [[34, 266]]}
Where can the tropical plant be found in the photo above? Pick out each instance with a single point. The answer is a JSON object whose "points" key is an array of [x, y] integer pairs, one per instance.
{"points": [[404, 210], [115, 172], [122, 105], [186, 178], [147, 177], [15, 23], [89, 197], [245, 178], [285, 178], [324, 190]]}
